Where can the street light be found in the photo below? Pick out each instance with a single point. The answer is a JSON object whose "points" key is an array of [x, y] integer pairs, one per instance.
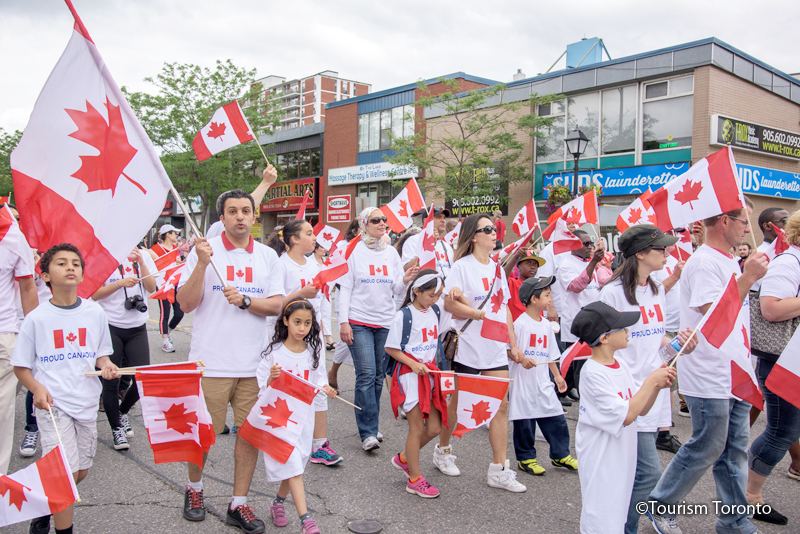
{"points": [[576, 146]]}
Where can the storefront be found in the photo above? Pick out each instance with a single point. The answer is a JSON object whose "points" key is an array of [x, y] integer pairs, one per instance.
{"points": [[284, 199]]}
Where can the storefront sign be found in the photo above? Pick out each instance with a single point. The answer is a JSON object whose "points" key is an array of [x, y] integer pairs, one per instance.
{"points": [[755, 137], [374, 172], [288, 195], [488, 202], [339, 209], [769, 182], [622, 180]]}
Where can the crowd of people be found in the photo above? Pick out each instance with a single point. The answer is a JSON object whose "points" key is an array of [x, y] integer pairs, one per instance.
{"points": [[392, 319]]}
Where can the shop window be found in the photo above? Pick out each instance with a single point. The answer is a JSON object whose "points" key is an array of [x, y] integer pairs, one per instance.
{"points": [[363, 133], [551, 146], [619, 120], [668, 114], [408, 120], [315, 167], [386, 128], [387, 191], [376, 130], [304, 164], [584, 114], [370, 192]]}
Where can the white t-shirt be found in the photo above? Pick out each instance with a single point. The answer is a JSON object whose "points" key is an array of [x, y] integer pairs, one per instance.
{"points": [[646, 336], [606, 448], [295, 277], [672, 321], [783, 275], [761, 248], [59, 346], [550, 268], [706, 371], [444, 253], [531, 394], [475, 279], [114, 304], [227, 339], [568, 270], [11, 266], [367, 290]]}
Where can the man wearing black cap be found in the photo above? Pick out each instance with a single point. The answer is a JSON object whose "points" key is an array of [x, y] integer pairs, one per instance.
{"points": [[606, 436], [444, 252]]}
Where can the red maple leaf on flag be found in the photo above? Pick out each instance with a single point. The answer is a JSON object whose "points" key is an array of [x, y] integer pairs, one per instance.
{"points": [[239, 273], [689, 193], [327, 261], [480, 412], [110, 139], [179, 419], [448, 383], [278, 414], [216, 130], [635, 216], [403, 208], [746, 340], [521, 218], [652, 219], [497, 301], [327, 236], [428, 243], [17, 491], [71, 337], [574, 215]]}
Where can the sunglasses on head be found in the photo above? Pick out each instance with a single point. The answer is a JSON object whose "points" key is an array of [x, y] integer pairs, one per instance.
{"points": [[378, 220], [486, 230]]}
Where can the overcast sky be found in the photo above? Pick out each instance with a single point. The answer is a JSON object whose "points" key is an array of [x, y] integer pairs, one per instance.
{"points": [[384, 44]]}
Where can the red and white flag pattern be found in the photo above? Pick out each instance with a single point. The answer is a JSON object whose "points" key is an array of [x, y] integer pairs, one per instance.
{"points": [[426, 244], [171, 279], [526, 219], [101, 184], [11, 237], [495, 323], [709, 188], [578, 351], [639, 212], [779, 245], [277, 418], [43, 488], [228, 128], [515, 246], [784, 379], [479, 398], [580, 210], [563, 240], [403, 206], [451, 238], [683, 249], [335, 266], [327, 236], [174, 411], [724, 327], [165, 260], [447, 382], [301, 212]]}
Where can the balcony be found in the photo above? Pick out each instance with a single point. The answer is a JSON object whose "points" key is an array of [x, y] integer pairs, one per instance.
{"points": [[290, 103], [291, 115], [291, 89]]}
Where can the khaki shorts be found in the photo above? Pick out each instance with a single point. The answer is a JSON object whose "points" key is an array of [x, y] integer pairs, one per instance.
{"points": [[240, 393], [78, 438]]}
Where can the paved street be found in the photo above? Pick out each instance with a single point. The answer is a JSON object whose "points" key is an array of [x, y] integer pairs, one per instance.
{"points": [[127, 493]]}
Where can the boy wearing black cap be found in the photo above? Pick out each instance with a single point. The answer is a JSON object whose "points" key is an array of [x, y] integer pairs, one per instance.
{"points": [[531, 397], [606, 435]]}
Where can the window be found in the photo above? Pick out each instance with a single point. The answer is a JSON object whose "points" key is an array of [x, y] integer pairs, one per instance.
{"points": [[386, 128], [667, 114], [584, 115], [376, 130], [363, 133], [551, 147], [370, 192], [619, 120], [300, 164]]}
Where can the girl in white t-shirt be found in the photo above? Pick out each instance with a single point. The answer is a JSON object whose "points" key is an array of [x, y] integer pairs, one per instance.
{"points": [[295, 347], [414, 389]]}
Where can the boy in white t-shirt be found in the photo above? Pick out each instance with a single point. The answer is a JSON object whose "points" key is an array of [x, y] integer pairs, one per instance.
{"points": [[606, 435], [59, 342]]}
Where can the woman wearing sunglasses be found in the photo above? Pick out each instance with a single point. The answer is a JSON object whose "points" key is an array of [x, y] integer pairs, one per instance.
{"points": [[366, 311], [471, 277]]}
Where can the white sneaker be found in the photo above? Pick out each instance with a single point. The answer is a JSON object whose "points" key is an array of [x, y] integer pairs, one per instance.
{"points": [[445, 461], [501, 476], [380, 437], [169, 336], [402, 413], [167, 346], [370, 444]]}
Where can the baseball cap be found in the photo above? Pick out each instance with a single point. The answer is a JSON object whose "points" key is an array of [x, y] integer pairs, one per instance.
{"points": [[597, 318], [537, 259], [167, 228], [532, 284], [637, 238], [437, 210]]}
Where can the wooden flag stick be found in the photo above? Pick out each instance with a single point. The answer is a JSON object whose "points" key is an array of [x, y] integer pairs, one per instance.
{"points": [[675, 359], [346, 402], [58, 435], [467, 374]]}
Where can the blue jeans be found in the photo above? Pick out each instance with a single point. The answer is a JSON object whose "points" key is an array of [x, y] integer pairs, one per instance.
{"points": [[783, 427], [554, 430], [367, 351], [648, 471], [720, 435]]}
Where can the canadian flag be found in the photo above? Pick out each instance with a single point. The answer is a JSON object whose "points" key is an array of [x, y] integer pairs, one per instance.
{"points": [[171, 279], [563, 240], [447, 382], [512, 249], [43, 488], [426, 244], [165, 260], [59, 337], [526, 219], [407, 202], [174, 411], [234, 275], [227, 129], [301, 212], [779, 245], [452, 236], [11, 237], [578, 351], [85, 170], [580, 210], [537, 341], [784, 379], [277, 418], [479, 398], [683, 248], [335, 266], [380, 270], [726, 328], [639, 212], [654, 314], [710, 187], [495, 322], [430, 335], [327, 236]]}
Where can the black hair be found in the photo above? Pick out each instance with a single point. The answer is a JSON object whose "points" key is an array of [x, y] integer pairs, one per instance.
{"points": [[765, 217], [628, 273], [577, 233], [282, 331], [427, 286], [282, 241], [47, 257], [468, 228], [234, 193], [398, 245], [352, 230]]}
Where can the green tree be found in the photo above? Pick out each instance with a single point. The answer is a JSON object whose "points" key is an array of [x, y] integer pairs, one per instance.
{"points": [[477, 131], [184, 100], [8, 142]]}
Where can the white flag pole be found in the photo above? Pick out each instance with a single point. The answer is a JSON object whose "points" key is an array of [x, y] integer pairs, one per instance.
{"points": [[60, 444], [196, 231]]}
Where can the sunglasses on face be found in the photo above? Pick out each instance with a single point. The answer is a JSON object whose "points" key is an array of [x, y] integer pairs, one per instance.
{"points": [[378, 220], [662, 250], [588, 243], [486, 230]]}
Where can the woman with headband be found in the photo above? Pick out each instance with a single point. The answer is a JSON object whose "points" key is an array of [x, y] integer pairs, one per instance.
{"points": [[366, 311]]}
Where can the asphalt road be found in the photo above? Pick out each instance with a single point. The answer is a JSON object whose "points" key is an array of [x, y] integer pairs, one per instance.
{"points": [[126, 492]]}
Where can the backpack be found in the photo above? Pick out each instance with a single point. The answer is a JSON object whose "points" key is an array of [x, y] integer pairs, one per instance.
{"points": [[389, 363]]}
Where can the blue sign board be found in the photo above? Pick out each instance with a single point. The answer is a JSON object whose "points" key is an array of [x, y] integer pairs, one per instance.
{"points": [[622, 180], [769, 182]]}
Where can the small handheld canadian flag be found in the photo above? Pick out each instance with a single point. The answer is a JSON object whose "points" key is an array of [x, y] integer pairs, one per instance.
{"points": [[578, 351], [479, 398], [327, 236], [526, 219], [406, 203], [426, 251], [494, 324], [638, 212], [581, 210], [228, 128]]}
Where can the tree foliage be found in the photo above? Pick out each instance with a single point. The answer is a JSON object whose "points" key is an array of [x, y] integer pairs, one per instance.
{"points": [[185, 97], [8, 142]]}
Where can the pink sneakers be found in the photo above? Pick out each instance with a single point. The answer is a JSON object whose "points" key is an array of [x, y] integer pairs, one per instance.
{"points": [[310, 527], [278, 513], [400, 465], [422, 488]]}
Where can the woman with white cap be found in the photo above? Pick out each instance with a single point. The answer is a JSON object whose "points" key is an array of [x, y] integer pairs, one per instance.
{"points": [[168, 236]]}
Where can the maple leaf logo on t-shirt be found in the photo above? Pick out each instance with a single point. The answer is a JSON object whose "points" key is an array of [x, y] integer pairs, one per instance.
{"points": [[110, 139], [636, 215], [71, 337], [278, 415], [327, 236], [216, 130], [16, 491], [239, 273], [403, 208], [128, 269], [179, 419], [651, 313], [480, 412], [497, 301], [689, 193]]}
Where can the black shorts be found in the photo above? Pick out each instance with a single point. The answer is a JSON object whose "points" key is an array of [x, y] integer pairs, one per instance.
{"points": [[467, 370]]}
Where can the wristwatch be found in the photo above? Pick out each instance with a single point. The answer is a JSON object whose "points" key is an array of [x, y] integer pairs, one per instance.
{"points": [[245, 303]]}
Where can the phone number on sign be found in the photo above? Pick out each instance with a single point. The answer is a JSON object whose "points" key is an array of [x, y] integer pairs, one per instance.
{"points": [[475, 201]]}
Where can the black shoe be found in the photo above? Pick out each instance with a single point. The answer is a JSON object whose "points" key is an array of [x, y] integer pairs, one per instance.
{"points": [[683, 411], [670, 444], [774, 517], [244, 518], [573, 394], [226, 430], [40, 525], [121, 393], [193, 505], [565, 401]]}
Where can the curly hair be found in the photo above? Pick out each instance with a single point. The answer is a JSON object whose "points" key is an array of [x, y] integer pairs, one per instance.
{"points": [[792, 229], [282, 331], [47, 257]]}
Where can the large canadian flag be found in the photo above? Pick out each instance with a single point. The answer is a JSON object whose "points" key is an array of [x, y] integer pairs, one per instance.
{"points": [[277, 418], [479, 398], [639, 212], [426, 244], [515, 246], [43, 488], [580, 210], [710, 187], [784, 379], [495, 322], [228, 128], [85, 171], [11, 237], [726, 326], [174, 411], [526, 219], [335, 266], [327, 236], [405, 204], [578, 351], [563, 240]]}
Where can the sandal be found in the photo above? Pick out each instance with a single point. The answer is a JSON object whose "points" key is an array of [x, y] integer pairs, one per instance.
{"points": [[330, 346], [335, 386]]}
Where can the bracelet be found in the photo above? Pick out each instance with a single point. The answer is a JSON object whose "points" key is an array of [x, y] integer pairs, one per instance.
{"points": [[115, 284]]}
